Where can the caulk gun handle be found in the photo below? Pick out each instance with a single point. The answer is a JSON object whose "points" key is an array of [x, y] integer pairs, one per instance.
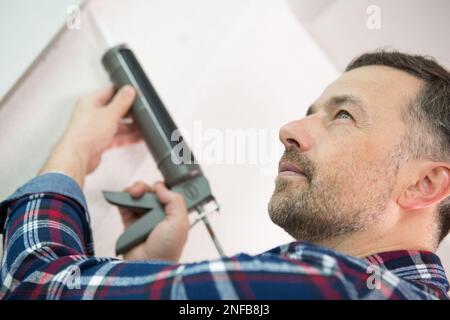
{"points": [[140, 229]]}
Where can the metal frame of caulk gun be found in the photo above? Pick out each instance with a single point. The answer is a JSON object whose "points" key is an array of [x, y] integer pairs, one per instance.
{"points": [[157, 127]]}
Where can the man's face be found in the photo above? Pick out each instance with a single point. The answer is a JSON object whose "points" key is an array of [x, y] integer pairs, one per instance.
{"points": [[349, 149]]}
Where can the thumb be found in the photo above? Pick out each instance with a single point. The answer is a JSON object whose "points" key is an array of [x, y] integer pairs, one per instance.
{"points": [[173, 201], [122, 101]]}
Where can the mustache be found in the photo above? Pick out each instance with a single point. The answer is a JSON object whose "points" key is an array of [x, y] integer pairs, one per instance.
{"points": [[301, 161]]}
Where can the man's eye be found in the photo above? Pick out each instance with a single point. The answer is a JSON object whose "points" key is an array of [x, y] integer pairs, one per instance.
{"points": [[342, 114]]}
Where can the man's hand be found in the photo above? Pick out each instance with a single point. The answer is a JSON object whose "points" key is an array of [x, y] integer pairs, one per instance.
{"points": [[95, 126], [167, 240]]}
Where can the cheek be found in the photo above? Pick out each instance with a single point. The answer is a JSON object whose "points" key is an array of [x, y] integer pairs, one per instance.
{"points": [[337, 154], [348, 164], [350, 155]]}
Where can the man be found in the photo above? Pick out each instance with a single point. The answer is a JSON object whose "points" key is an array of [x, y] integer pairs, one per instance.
{"points": [[363, 187]]}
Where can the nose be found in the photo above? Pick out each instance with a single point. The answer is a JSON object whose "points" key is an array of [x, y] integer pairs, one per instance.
{"points": [[293, 135]]}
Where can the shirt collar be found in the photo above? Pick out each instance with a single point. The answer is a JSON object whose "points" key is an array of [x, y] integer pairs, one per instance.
{"points": [[411, 265], [421, 266]]}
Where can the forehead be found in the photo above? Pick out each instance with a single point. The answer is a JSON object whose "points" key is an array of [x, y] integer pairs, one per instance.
{"points": [[382, 90]]}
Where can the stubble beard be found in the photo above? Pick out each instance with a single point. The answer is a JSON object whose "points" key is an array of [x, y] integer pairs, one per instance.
{"points": [[340, 202]]}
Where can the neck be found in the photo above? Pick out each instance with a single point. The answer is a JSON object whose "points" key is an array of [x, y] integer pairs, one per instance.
{"points": [[412, 230]]}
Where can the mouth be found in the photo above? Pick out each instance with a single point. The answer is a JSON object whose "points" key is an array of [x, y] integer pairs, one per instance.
{"points": [[286, 169]]}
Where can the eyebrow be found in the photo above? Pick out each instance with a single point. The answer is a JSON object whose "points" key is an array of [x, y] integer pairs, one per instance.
{"points": [[340, 100]]}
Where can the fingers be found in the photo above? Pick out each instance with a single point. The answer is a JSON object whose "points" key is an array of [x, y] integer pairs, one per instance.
{"points": [[122, 102], [165, 196], [174, 205], [126, 139], [125, 128], [174, 202], [126, 134], [138, 189], [101, 97], [128, 217]]}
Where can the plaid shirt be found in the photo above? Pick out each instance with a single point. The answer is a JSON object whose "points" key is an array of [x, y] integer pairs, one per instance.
{"points": [[48, 254]]}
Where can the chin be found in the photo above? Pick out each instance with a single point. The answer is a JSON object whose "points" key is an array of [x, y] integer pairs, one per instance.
{"points": [[285, 184]]}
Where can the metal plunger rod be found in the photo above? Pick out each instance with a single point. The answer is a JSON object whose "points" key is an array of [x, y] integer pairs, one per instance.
{"points": [[211, 232]]}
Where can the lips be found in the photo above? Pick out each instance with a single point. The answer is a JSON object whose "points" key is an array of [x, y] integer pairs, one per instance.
{"points": [[289, 169]]}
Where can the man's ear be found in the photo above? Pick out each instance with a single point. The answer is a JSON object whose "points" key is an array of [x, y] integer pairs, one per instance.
{"points": [[431, 186]]}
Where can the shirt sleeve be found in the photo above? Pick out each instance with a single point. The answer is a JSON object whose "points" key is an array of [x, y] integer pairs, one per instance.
{"points": [[49, 182], [48, 254]]}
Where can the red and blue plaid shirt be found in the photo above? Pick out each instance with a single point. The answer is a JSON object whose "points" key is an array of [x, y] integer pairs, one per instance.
{"points": [[48, 254]]}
